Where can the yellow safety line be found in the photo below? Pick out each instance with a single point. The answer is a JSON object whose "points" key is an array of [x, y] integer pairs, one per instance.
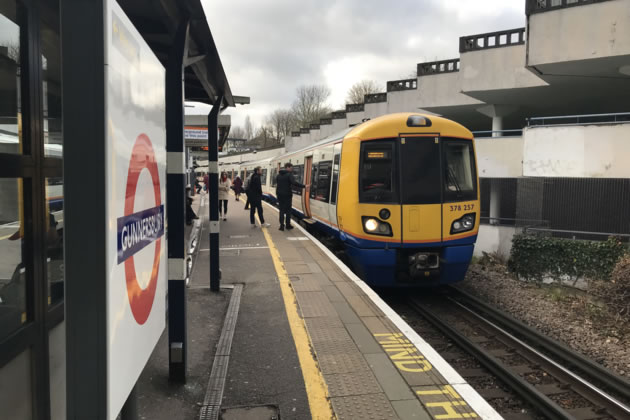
{"points": [[2, 238], [316, 389]]}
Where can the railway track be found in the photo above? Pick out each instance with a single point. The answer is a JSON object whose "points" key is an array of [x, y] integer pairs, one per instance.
{"points": [[555, 381]]}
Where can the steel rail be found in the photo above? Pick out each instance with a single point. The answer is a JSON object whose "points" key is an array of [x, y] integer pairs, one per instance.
{"points": [[557, 350], [523, 388], [578, 384]]}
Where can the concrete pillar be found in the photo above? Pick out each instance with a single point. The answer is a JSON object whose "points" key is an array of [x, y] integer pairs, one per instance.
{"points": [[497, 126], [497, 112]]}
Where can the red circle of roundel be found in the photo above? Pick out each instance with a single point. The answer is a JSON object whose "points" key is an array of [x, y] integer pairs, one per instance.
{"points": [[141, 300]]}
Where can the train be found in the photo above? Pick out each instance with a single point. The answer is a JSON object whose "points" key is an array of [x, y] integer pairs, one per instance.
{"points": [[399, 193]]}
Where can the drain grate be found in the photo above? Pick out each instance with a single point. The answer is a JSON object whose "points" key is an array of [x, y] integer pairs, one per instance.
{"points": [[259, 412]]}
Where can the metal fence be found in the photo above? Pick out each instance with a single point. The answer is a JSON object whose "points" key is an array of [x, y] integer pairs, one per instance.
{"points": [[492, 40], [539, 6], [610, 118], [581, 208]]}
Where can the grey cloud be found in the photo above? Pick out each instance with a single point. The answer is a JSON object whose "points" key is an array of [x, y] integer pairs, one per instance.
{"points": [[268, 48]]}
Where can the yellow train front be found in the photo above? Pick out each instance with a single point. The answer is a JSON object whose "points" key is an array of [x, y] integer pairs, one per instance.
{"points": [[408, 200]]}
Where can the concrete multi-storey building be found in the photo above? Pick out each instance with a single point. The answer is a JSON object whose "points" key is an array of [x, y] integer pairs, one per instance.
{"points": [[550, 106]]}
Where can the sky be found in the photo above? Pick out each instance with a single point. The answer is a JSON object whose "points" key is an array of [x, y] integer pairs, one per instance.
{"points": [[270, 47]]}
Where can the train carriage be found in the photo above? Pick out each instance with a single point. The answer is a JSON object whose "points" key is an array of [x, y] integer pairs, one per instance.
{"points": [[400, 192]]}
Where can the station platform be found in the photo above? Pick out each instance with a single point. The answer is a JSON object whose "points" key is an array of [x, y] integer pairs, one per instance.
{"points": [[305, 338]]}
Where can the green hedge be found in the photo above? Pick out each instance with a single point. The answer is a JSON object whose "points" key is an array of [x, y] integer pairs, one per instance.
{"points": [[534, 257]]}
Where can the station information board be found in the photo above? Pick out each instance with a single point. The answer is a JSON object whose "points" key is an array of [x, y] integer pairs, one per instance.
{"points": [[136, 196]]}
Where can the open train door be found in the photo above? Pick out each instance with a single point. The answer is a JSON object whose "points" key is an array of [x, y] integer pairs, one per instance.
{"points": [[306, 196], [421, 193]]}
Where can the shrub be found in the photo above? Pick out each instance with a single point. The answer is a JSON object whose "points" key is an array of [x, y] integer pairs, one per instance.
{"points": [[535, 257], [616, 292]]}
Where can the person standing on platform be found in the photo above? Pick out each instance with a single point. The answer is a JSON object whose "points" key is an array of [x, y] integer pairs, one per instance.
{"points": [[237, 186], [206, 181], [246, 188], [224, 195], [254, 194], [285, 181]]}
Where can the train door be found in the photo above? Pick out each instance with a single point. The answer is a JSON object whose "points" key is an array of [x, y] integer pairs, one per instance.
{"points": [[421, 192], [334, 185], [308, 169]]}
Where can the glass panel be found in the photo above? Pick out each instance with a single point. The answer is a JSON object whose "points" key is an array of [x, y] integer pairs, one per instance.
{"points": [[274, 174], [335, 180], [314, 178], [378, 172], [12, 269], [57, 363], [420, 158], [460, 182], [15, 383], [51, 70], [10, 117], [323, 181], [263, 177], [298, 175], [54, 235]]}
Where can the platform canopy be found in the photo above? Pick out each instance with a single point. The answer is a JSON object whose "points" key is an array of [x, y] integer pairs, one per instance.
{"points": [[157, 22]]}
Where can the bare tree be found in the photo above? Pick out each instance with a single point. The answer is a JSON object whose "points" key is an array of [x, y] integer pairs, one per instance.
{"points": [[281, 122], [358, 91], [237, 132], [249, 130], [310, 104]]}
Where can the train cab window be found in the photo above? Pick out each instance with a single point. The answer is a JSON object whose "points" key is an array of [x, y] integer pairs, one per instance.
{"points": [[263, 177], [420, 170], [377, 178], [298, 175], [335, 180], [322, 189], [460, 181]]}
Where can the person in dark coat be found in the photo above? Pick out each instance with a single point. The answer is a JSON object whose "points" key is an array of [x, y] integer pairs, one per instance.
{"points": [[238, 186], [284, 191], [254, 194]]}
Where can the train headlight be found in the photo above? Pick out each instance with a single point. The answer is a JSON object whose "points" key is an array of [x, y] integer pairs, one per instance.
{"points": [[374, 226], [371, 225], [464, 223]]}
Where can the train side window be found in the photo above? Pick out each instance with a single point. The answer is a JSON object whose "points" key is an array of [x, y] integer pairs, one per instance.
{"points": [[314, 181], [263, 177], [377, 179], [335, 180], [298, 174], [274, 173], [322, 191]]}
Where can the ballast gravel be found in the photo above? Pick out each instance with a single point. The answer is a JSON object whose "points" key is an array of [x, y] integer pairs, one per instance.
{"points": [[557, 313]]}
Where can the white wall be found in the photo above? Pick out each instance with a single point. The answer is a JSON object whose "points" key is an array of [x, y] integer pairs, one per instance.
{"points": [[339, 124], [577, 33], [495, 239], [353, 118], [403, 101], [375, 110], [263, 154], [499, 157], [442, 90], [496, 68], [593, 151], [325, 130]]}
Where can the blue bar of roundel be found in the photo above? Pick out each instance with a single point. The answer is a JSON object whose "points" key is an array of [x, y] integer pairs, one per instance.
{"points": [[151, 227]]}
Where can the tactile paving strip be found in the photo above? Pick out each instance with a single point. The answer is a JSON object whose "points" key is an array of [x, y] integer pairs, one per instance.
{"points": [[342, 363], [314, 304], [306, 284], [330, 330], [353, 383], [365, 407], [342, 345]]}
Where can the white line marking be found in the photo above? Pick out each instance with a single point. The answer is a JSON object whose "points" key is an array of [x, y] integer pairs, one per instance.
{"points": [[471, 396], [233, 248]]}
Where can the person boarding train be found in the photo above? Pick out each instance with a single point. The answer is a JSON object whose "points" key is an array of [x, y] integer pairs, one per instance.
{"points": [[285, 181]]}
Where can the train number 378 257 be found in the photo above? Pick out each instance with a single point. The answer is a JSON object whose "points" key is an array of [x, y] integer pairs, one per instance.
{"points": [[465, 207]]}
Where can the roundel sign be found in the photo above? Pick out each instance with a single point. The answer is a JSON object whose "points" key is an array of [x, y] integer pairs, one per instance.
{"points": [[137, 230]]}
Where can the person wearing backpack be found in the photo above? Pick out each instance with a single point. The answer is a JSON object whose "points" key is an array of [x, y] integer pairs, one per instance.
{"points": [[246, 189]]}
